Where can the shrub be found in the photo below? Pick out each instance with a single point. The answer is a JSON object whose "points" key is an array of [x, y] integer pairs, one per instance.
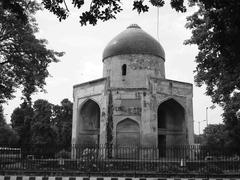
{"points": [[63, 154]]}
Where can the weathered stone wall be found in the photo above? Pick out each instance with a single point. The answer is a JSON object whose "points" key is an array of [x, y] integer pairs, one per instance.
{"points": [[136, 97], [95, 91], [149, 130], [126, 105], [139, 105], [139, 68], [133, 105], [163, 90]]}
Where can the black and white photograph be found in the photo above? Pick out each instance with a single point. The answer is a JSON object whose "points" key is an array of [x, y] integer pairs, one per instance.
{"points": [[120, 90]]}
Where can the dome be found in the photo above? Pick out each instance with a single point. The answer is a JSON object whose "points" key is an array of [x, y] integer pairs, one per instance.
{"points": [[133, 40]]}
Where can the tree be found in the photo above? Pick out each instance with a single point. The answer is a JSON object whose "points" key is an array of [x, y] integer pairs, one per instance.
{"points": [[215, 136], [23, 57], [62, 122], [15, 7], [43, 124], [216, 31], [21, 119], [96, 10], [231, 121], [42, 131], [2, 118], [7, 135]]}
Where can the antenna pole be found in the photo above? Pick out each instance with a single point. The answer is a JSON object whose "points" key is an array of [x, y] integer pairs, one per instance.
{"points": [[158, 23]]}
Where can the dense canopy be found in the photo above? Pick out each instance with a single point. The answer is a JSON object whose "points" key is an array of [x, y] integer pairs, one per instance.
{"points": [[23, 57]]}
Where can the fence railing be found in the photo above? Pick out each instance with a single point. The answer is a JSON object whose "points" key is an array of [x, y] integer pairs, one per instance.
{"points": [[198, 160]]}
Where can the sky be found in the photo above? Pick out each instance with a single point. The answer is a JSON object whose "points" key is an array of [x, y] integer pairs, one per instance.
{"points": [[84, 45]]}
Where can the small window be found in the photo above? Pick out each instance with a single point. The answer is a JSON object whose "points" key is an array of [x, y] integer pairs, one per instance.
{"points": [[124, 70]]}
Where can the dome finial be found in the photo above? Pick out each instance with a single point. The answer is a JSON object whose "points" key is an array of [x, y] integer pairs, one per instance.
{"points": [[133, 26]]}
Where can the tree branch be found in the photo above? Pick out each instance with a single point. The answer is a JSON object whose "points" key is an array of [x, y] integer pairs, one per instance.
{"points": [[66, 5], [4, 62], [91, 4]]}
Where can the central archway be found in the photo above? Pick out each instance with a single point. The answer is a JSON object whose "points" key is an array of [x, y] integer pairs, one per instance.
{"points": [[128, 138]]}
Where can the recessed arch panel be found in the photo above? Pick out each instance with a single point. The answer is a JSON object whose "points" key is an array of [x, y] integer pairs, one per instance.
{"points": [[90, 115], [89, 123], [171, 115], [128, 138], [171, 123]]}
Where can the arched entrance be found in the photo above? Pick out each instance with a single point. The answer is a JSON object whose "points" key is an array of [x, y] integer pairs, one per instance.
{"points": [[128, 138], [89, 123], [171, 123]]}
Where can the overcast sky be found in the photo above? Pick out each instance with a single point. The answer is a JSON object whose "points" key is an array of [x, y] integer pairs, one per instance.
{"points": [[84, 47]]}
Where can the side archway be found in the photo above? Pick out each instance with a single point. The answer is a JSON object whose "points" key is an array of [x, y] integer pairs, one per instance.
{"points": [[171, 123], [89, 123], [171, 115]]}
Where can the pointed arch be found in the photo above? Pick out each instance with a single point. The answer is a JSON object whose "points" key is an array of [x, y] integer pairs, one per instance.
{"points": [[90, 113], [171, 123], [171, 98], [171, 115], [87, 100], [128, 135], [89, 122]]}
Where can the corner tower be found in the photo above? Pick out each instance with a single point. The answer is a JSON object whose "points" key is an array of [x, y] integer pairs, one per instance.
{"points": [[131, 57]]}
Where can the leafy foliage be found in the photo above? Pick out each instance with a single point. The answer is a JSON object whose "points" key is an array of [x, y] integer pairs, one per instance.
{"points": [[215, 136], [7, 135], [63, 154], [216, 33], [21, 119], [42, 132], [215, 30], [62, 122], [231, 121], [15, 7], [43, 124], [23, 57], [96, 10], [2, 118], [138, 5]]}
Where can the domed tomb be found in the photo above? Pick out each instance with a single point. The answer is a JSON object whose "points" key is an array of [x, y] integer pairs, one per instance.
{"points": [[133, 40], [145, 108]]}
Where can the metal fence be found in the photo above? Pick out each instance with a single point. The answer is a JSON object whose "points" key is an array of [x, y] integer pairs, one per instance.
{"points": [[173, 160]]}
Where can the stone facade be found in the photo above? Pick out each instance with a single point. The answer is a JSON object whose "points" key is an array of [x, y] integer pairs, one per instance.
{"points": [[146, 109]]}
